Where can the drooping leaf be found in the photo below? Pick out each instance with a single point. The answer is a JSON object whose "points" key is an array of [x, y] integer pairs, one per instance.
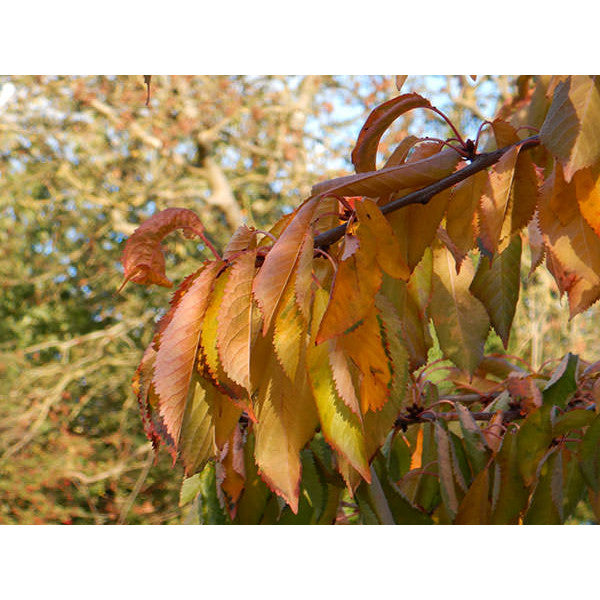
{"points": [[475, 445], [231, 472], [546, 507], [572, 247], [143, 258], [289, 334], [343, 376], [303, 281], [365, 348], [497, 286], [287, 419], [495, 200], [207, 423], [590, 455], [389, 180], [416, 226], [533, 440], [587, 186], [357, 281], [475, 507], [176, 355], [272, 278], [572, 420], [447, 483], [461, 213], [340, 426], [365, 151], [571, 130], [511, 496], [234, 320], [460, 319], [388, 252]]}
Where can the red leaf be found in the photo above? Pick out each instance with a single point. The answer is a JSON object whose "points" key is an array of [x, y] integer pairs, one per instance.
{"points": [[143, 259], [177, 351]]}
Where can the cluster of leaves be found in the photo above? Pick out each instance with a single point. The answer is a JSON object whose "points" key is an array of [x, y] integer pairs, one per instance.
{"points": [[288, 361]]}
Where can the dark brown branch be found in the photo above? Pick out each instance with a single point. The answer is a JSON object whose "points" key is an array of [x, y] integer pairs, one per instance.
{"points": [[428, 416], [423, 196]]}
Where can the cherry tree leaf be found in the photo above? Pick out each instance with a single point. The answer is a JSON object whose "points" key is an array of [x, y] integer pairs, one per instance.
{"points": [[340, 426], [572, 247], [234, 319], [461, 321], [365, 347], [374, 184], [497, 286], [571, 130], [587, 186], [287, 419], [343, 376], [389, 253], [461, 213], [244, 238], [475, 507], [176, 355], [365, 152], [143, 258], [276, 271], [207, 422], [357, 281], [494, 203], [400, 79], [304, 272]]}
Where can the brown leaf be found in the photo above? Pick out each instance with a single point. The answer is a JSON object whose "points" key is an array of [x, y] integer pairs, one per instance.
{"points": [[244, 238], [143, 259], [365, 151]]}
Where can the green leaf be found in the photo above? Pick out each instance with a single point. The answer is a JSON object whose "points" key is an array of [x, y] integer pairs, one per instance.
{"points": [[461, 321], [590, 455], [562, 384], [253, 501], [533, 441], [210, 511], [475, 444], [398, 458], [427, 494], [497, 286], [475, 507], [447, 486], [512, 494], [546, 506], [574, 485], [190, 488], [571, 130], [574, 419]]}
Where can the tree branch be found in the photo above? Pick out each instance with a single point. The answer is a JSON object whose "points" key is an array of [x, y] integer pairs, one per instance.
{"points": [[423, 196]]}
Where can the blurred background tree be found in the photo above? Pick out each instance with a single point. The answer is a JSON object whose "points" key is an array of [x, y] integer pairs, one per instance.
{"points": [[83, 161]]}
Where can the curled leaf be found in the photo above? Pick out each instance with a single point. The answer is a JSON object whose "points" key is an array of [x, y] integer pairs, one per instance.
{"points": [[143, 258]]}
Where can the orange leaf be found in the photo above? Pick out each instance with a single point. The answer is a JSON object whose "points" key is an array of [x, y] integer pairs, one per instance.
{"points": [[494, 203], [244, 238], [177, 351], [235, 318], [231, 472], [343, 376], [365, 347], [143, 259], [357, 280], [279, 264], [373, 224], [304, 271], [588, 197], [365, 151]]}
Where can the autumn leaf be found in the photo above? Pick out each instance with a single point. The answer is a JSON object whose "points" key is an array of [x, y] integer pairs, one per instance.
{"points": [[461, 321], [587, 186], [365, 151], [272, 278], [234, 319], [287, 419], [143, 258], [572, 247], [571, 130], [176, 355], [494, 202], [374, 184], [244, 238]]}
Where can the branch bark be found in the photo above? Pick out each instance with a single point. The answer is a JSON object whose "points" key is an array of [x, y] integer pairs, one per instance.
{"points": [[423, 196]]}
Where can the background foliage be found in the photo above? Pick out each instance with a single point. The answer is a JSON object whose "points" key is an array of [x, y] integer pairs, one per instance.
{"points": [[83, 162]]}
